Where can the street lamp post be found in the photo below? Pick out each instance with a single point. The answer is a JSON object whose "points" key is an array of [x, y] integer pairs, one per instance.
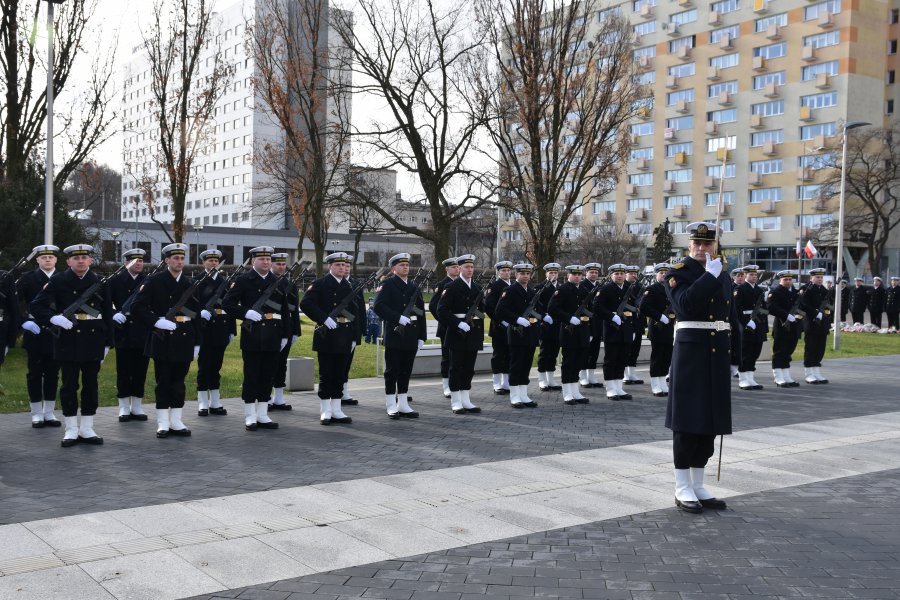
{"points": [[840, 242], [48, 174]]}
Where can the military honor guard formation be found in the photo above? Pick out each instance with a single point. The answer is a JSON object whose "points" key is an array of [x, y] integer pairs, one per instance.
{"points": [[705, 328]]}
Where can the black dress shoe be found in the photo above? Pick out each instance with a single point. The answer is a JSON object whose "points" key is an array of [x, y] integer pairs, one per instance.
{"points": [[502, 392], [218, 410], [124, 418], [349, 402], [38, 424], [445, 396], [569, 402], [474, 410], [269, 425], [408, 398], [756, 387], [162, 433], [409, 415], [793, 384], [713, 504], [344, 420], [518, 405], [55, 423], [597, 385], [394, 416], [613, 398], [633, 381], [544, 388], [94, 441], [662, 394], [251, 426], [203, 412], [783, 385], [284, 406], [531, 404], [67, 443], [624, 396], [324, 421], [689, 506], [583, 400], [459, 411], [180, 432], [140, 417], [821, 382], [556, 388]]}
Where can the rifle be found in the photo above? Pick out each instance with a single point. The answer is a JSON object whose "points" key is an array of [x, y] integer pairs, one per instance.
{"points": [[627, 302], [81, 304], [341, 309], [173, 312], [582, 310], [411, 308], [8, 274], [266, 298], [530, 311], [299, 278], [216, 297], [126, 306], [474, 312], [795, 309]]}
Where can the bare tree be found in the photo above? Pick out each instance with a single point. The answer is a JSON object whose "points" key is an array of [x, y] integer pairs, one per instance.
{"points": [[607, 244], [188, 76], [95, 188], [362, 218], [561, 92], [415, 57], [86, 119]]}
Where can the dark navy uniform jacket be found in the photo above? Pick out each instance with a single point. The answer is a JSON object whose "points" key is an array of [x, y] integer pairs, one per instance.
{"points": [[133, 334], [548, 332], [491, 297], [360, 311], [156, 296], [876, 299], [9, 314], [512, 304], [859, 298], [780, 300], [433, 304], [892, 299], [457, 299], [87, 340], [242, 294], [700, 378], [221, 326], [653, 304], [292, 297], [320, 299], [563, 304], [605, 305], [812, 301], [27, 288], [745, 299], [596, 321], [393, 296]]}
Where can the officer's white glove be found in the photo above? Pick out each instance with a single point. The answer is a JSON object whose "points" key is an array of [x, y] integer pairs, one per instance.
{"points": [[330, 324], [504, 323], [61, 321], [574, 320], [252, 315], [31, 327], [617, 319], [522, 321], [119, 318], [548, 319], [352, 347], [205, 315], [283, 344], [196, 352], [663, 319], [404, 320], [819, 316], [713, 265], [752, 324], [165, 324], [464, 326], [421, 344], [230, 338], [791, 318], [294, 339]]}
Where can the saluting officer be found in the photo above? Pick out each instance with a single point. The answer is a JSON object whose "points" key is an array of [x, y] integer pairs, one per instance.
{"points": [[497, 328], [786, 330], [451, 266], [737, 332], [859, 300], [131, 337], [217, 330], [750, 309], [82, 343], [549, 338], [655, 305], [876, 301], [892, 304], [618, 331], [639, 324], [289, 290], [465, 339], [815, 303], [587, 377], [42, 379], [265, 333], [335, 337], [574, 331], [523, 334], [699, 406], [400, 347]]}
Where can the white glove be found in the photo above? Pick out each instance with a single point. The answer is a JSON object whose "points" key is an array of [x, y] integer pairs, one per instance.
{"points": [[504, 323], [165, 324], [119, 318], [752, 324], [713, 265], [61, 321], [633, 336], [522, 321], [31, 327], [205, 315], [617, 319], [819, 316], [252, 315], [196, 352], [230, 338], [404, 320], [548, 319], [352, 346], [421, 344], [574, 320], [662, 319], [464, 326], [791, 318], [330, 324], [294, 339], [283, 344]]}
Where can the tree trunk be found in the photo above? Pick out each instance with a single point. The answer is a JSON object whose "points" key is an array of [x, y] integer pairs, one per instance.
{"points": [[441, 237]]}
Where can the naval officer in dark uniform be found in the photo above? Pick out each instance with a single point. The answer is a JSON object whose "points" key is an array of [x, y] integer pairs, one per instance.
{"points": [[451, 266], [738, 276], [289, 290], [785, 328], [587, 377], [639, 324], [892, 304], [859, 300], [523, 334], [131, 336], [497, 328], [654, 305], [817, 306], [876, 301], [574, 331], [749, 305], [699, 406], [618, 330], [217, 330], [549, 350], [400, 347]]}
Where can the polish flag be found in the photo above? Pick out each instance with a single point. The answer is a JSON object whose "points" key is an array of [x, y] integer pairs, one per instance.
{"points": [[799, 249], [810, 249]]}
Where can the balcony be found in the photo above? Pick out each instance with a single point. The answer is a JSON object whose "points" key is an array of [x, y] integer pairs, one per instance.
{"points": [[641, 214], [823, 81], [753, 235], [724, 99], [672, 82], [721, 209], [726, 43], [759, 64], [685, 3], [646, 11], [669, 185], [645, 63], [672, 29], [680, 211], [821, 141], [712, 128], [630, 189], [715, 18], [681, 158], [773, 33], [804, 174], [636, 40], [712, 74], [642, 164], [604, 216], [682, 107], [767, 207], [684, 53], [710, 182], [754, 178], [756, 121], [644, 113], [820, 203], [770, 149], [806, 114], [670, 134], [771, 90], [826, 20], [760, 7], [808, 53]]}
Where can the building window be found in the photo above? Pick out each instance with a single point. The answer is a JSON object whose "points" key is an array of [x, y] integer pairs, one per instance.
{"points": [[673, 149], [634, 204], [639, 179], [821, 40], [810, 72], [765, 195], [892, 46], [808, 132], [761, 81], [637, 5], [722, 116], [764, 167], [813, 11], [732, 31], [645, 28], [765, 223], [646, 153], [776, 136], [646, 52], [605, 205], [771, 51], [890, 77], [681, 18], [767, 109], [763, 24], [814, 221], [714, 144], [679, 175], [677, 123], [810, 192], [712, 198], [685, 42], [894, 17], [640, 129], [685, 70], [673, 201], [724, 61], [716, 89], [716, 170], [819, 100], [673, 98], [678, 227], [725, 6], [889, 107], [639, 228]]}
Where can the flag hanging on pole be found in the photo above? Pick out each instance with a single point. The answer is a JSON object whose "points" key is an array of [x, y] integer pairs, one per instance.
{"points": [[799, 249], [810, 249]]}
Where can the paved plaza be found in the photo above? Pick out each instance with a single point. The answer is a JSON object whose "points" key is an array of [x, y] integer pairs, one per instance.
{"points": [[556, 501]]}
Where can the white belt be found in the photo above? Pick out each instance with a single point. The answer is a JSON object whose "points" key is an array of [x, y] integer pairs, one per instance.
{"points": [[713, 325], [747, 312], [269, 316], [182, 319], [86, 317]]}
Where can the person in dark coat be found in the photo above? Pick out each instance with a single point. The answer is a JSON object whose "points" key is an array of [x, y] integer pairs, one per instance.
{"points": [[289, 291], [42, 378], [82, 343], [131, 337], [404, 334], [737, 327], [699, 404], [523, 334], [451, 266], [335, 336], [750, 308], [549, 338], [632, 278], [859, 300], [465, 336], [618, 329], [845, 300], [497, 328], [360, 327], [265, 331], [817, 306], [587, 377], [574, 331], [655, 306], [876, 301], [892, 304], [9, 314], [785, 329], [217, 330]]}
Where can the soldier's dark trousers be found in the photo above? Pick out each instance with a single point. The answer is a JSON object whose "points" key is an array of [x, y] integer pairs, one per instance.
{"points": [[209, 367], [737, 335], [445, 360], [751, 347], [131, 372], [549, 350], [634, 350], [692, 450], [280, 379], [593, 354], [660, 358], [68, 392], [843, 314], [500, 357], [572, 362], [816, 337], [893, 319], [332, 374], [876, 318], [784, 342], [43, 376], [170, 383], [614, 359], [398, 368], [462, 369], [859, 316], [259, 373], [520, 359]]}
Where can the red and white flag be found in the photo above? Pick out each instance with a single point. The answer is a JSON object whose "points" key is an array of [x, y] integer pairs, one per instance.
{"points": [[799, 248], [810, 249]]}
